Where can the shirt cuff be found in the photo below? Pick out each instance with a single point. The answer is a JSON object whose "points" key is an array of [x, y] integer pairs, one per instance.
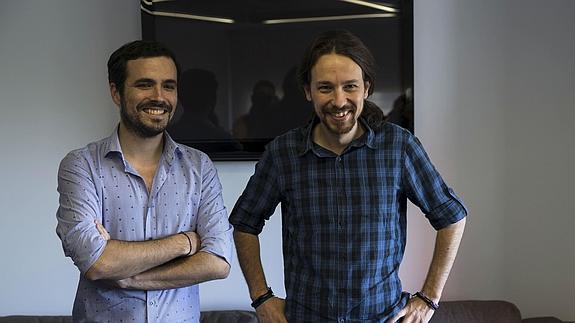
{"points": [[447, 213]]}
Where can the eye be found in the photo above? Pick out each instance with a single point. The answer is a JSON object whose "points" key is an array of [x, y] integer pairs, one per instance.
{"points": [[350, 87], [144, 85], [170, 86], [324, 88]]}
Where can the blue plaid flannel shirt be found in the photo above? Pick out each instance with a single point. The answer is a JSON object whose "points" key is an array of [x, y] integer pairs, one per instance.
{"points": [[344, 219]]}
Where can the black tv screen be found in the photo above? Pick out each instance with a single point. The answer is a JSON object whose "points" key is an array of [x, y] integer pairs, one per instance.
{"points": [[237, 86]]}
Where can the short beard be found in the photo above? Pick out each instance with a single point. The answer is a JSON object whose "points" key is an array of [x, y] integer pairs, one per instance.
{"points": [[338, 130], [137, 127]]}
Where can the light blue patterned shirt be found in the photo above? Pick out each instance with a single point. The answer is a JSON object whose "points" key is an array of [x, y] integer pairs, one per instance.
{"points": [[97, 183]]}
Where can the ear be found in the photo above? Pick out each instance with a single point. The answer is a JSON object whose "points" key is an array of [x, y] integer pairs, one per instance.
{"points": [[366, 93], [115, 93], [307, 91]]}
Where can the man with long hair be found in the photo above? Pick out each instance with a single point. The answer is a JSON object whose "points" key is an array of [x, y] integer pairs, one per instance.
{"points": [[342, 181]]}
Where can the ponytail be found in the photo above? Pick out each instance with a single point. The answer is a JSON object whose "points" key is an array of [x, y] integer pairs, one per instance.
{"points": [[373, 115]]}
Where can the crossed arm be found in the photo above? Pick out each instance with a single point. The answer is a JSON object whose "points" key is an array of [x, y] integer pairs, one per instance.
{"points": [[156, 264], [162, 263]]}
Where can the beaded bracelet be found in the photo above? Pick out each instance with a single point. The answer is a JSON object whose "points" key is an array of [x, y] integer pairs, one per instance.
{"points": [[433, 305], [261, 299]]}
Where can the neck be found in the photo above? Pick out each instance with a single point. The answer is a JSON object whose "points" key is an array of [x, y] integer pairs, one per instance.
{"points": [[335, 142], [138, 149]]}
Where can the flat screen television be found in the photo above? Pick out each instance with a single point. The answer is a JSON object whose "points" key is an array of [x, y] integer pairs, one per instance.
{"points": [[237, 86]]}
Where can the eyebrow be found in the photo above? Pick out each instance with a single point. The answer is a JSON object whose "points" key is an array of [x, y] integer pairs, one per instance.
{"points": [[144, 80], [344, 82], [352, 81], [148, 80]]}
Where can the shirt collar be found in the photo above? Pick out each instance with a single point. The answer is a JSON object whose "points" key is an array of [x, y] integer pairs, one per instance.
{"points": [[171, 148], [368, 138], [113, 144]]}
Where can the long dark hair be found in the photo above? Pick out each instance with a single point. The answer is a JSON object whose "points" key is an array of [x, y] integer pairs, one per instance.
{"points": [[343, 42]]}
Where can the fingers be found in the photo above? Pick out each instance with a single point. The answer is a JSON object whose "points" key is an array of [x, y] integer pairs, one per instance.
{"points": [[272, 311], [414, 312], [102, 231], [398, 315]]}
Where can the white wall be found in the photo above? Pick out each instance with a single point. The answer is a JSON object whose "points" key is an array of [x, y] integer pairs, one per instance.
{"points": [[53, 87], [540, 154], [494, 107]]}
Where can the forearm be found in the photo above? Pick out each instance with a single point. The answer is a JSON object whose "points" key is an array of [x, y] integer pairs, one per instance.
{"points": [[122, 259], [446, 246], [248, 249], [181, 272]]}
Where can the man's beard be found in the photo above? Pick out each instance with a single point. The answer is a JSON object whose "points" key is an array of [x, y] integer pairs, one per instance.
{"points": [[134, 124], [338, 128]]}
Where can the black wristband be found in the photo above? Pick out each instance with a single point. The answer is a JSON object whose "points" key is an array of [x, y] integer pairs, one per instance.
{"points": [[189, 241], [433, 305], [261, 299]]}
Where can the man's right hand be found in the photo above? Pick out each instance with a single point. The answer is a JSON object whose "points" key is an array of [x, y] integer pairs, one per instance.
{"points": [[272, 311]]}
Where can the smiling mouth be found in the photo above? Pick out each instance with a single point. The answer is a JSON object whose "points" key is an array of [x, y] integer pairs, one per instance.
{"points": [[340, 115], [154, 111]]}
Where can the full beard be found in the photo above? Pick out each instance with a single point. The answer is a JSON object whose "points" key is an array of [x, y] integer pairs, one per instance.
{"points": [[133, 123], [339, 127]]}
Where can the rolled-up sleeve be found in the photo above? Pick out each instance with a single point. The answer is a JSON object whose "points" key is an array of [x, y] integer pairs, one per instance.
{"points": [[259, 199], [213, 226], [426, 189], [78, 208]]}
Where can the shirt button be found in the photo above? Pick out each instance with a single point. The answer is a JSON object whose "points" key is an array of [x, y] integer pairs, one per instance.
{"points": [[151, 303]]}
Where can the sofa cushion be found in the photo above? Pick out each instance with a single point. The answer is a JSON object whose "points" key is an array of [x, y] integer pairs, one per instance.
{"points": [[228, 316]]}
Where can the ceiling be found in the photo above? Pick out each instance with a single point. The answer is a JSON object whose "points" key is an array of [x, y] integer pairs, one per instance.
{"points": [[257, 11]]}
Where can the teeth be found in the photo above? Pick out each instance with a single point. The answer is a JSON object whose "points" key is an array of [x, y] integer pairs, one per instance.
{"points": [[154, 111], [340, 114]]}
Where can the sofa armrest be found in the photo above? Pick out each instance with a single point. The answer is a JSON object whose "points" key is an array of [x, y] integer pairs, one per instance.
{"points": [[476, 312], [35, 319], [546, 319]]}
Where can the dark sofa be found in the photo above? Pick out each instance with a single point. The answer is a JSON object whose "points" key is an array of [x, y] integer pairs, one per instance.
{"points": [[449, 312]]}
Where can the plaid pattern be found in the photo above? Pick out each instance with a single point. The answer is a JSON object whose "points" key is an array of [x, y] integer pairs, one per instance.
{"points": [[344, 219]]}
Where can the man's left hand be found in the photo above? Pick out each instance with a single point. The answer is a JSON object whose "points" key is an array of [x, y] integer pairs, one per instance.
{"points": [[103, 232], [125, 283], [416, 311]]}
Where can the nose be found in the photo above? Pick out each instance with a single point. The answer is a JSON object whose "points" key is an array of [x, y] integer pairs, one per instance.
{"points": [[339, 98], [158, 93]]}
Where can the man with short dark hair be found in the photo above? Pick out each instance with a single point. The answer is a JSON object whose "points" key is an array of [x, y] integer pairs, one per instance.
{"points": [[141, 216], [342, 181]]}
